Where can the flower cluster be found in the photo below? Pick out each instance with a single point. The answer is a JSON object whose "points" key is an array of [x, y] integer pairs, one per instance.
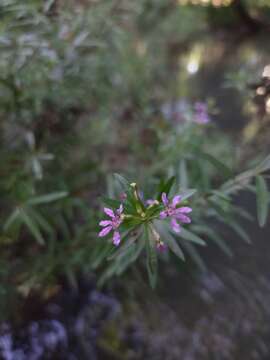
{"points": [[166, 209]]}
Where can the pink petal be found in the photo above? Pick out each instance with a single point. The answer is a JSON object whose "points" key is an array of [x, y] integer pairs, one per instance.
{"points": [[163, 215], [164, 199], [109, 212], [175, 226], [150, 202], [105, 222], [116, 238], [176, 200], [184, 210], [105, 231], [183, 218]]}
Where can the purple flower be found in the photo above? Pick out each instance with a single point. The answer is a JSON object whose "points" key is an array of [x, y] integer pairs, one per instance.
{"points": [[112, 225], [175, 213], [201, 113]]}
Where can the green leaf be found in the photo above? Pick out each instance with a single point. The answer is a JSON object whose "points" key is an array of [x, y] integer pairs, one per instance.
{"points": [[33, 228], [47, 198], [188, 235], [165, 187], [101, 251], [221, 195], [215, 237], [132, 257], [11, 219], [237, 210], [151, 259], [224, 169], [187, 194], [164, 231], [262, 200], [124, 261], [111, 202], [108, 273], [123, 182], [41, 221], [240, 231], [264, 165], [127, 240], [194, 255], [183, 174]]}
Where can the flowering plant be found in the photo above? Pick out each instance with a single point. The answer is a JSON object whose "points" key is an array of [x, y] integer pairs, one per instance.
{"points": [[136, 224], [163, 224]]}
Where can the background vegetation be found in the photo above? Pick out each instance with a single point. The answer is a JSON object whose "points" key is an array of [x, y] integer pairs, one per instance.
{"points": [[91, 88]]}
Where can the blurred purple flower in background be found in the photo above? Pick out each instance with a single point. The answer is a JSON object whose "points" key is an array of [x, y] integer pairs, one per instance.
{"points": [[176, 214], [201, 115], [183, 111], [109, 225]]}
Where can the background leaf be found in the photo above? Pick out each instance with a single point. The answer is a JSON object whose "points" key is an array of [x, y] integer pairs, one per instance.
{"points": [[262, 200]]}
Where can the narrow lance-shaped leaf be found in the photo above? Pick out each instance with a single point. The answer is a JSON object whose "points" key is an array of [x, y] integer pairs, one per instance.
{"points": [[190, 236], [220, 166], [41, 221], [127, 261], [187, 194], [11, 219], [183, 174], [215, 237], [164, 231], [151, 260], [166, 187], [128, 239], [262, 200], [111, 202], [33, 228], [194, 255], [47, 198], [123, 182], [240, 231]]}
